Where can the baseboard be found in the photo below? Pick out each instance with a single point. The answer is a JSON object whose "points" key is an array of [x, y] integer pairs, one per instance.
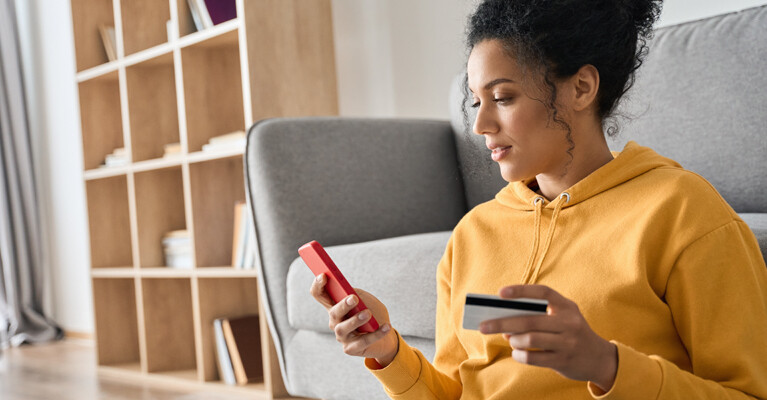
{"points": [[78, 335]]}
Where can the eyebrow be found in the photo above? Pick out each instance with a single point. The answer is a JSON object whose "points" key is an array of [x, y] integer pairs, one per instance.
{"points": [[497, 82], [494, 82]]}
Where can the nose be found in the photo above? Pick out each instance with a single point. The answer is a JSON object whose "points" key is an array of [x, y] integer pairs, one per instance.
{"points": [[484, 121]]}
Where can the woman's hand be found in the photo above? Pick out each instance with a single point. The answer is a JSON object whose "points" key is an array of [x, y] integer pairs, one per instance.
{"points": [[561, 340], [381, 344]]}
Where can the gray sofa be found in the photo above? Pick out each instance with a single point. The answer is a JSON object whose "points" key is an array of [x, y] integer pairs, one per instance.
{"points": [[383, 194]]}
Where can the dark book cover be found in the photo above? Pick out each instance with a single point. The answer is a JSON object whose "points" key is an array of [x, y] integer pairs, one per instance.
{"points": [[244, 343], [221, 10]]}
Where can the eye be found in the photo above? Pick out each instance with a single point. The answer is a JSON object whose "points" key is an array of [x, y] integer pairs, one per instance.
{"points": [[503, 100], [475, 104]]}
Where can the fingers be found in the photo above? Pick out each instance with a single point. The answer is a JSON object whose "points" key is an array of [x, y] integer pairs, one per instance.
{"points": [[318, 291], [556, 300], [522, 324], [537, 341], [346, 328]]}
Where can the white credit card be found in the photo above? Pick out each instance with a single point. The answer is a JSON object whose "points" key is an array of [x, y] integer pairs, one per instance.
{"points": [[482, 307]]}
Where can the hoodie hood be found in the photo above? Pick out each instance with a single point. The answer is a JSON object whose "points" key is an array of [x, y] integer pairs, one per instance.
{"points": [[632, 161]]}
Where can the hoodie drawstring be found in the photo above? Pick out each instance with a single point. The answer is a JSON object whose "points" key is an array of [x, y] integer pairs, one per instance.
{"points": [[564, 199], [538, 203]]}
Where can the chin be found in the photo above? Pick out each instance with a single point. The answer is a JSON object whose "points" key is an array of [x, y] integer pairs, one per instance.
{"points": [[511, 174]]}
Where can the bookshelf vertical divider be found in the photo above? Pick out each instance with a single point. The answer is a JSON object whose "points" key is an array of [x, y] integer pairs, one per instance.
{"points": [[173, 84]]}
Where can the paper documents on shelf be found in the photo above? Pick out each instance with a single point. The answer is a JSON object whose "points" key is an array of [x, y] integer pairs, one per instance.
{"points": [[244, 244], [119, 157], [177, 248], [230, 141]]}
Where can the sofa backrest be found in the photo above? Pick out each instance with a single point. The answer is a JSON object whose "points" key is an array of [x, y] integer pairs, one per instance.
{"points": [[699, 99], [481, 175]]}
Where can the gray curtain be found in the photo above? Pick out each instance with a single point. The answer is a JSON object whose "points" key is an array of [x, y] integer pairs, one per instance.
{"points": [[21, 269]]}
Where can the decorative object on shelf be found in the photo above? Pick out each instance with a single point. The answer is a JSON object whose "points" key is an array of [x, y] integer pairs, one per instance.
{"points": [[171, 150], [107, 33], [244, 238], [244, 351], [118, 158], [177, 246], [225, 369], [230, 141]]}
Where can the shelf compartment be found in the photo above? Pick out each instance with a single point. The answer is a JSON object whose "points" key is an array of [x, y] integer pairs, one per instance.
{"points": [[212, 88], [152, 106], [159, 210], [101, 119], [144, 24], [87, 16], [214, 215], [222, 298], [186, 24], [116, 322], [109, 222], [169, 324]]}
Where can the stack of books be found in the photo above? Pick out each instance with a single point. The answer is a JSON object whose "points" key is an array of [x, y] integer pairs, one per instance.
{"points": [[207, 13], [177, 247], [244, 244], [230, 141], [118, 158], [171, 150], [238, 346]]}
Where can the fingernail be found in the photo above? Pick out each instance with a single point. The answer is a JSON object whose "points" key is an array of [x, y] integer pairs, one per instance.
{"points": [[319, 278], [351, 300], [363, 315], [507, 292], [484, 328], [386, 328]]}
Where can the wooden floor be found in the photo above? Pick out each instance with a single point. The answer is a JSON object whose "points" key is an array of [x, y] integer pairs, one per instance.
{"points": [[67, 370]]}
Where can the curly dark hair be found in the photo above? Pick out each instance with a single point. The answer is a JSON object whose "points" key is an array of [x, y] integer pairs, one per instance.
{"points": [[555, 38]]}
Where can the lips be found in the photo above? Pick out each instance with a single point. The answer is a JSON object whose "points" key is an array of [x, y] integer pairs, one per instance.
{"points": [[498, 152]]}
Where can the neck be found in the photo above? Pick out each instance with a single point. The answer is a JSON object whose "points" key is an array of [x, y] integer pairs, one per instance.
{"points": [[590, 153]]}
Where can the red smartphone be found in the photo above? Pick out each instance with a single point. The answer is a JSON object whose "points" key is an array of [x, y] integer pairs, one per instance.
{"points": [[337, 286]]}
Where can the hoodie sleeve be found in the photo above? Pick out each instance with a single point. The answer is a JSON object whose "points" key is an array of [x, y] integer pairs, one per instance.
{"points": [[410, 375], [717, 293]]}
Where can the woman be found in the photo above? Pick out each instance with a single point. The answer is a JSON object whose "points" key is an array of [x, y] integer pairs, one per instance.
{"points": [[656, 288]]}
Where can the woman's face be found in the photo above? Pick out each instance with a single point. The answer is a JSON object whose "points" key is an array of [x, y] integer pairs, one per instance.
{"points": [[511, 116]]}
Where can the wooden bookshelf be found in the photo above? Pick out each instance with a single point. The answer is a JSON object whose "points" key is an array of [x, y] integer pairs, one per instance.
{"points": [[183, 86]]}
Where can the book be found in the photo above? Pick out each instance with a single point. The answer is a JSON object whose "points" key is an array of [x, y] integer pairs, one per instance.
{"points": [[200, 14], [225, 370], [221, 10], [171, 149], [108, 40], [238, 236], [235, 136], [244, 344]]}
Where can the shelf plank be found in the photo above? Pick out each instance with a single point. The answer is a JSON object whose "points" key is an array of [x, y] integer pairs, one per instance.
{"points": [[224, 272], [200, 156], [121, 272], [105, 172], [99, 71], [211, 33], [165, 272]]}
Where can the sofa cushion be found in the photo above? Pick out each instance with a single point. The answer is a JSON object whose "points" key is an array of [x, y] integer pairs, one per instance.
{"points": [[758, 224], [401, 272], [699, 99]]}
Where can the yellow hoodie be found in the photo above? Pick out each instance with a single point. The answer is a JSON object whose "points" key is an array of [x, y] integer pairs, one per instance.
{"points": [[657, 262]]}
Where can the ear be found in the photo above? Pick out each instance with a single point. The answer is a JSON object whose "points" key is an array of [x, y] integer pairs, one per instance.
{"points": [[586, 85]]}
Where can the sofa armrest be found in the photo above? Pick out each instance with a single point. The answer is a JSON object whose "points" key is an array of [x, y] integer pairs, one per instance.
{"points": [[341, 181]]}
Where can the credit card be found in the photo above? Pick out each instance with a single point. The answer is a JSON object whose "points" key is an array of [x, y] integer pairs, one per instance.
{"points": [[482, 307]]}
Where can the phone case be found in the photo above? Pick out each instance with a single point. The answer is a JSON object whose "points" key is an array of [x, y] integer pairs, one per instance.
{"points": [[318, 260]]}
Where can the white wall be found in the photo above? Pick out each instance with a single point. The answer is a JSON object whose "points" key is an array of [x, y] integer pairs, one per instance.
{"points": [[395, 58]]}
